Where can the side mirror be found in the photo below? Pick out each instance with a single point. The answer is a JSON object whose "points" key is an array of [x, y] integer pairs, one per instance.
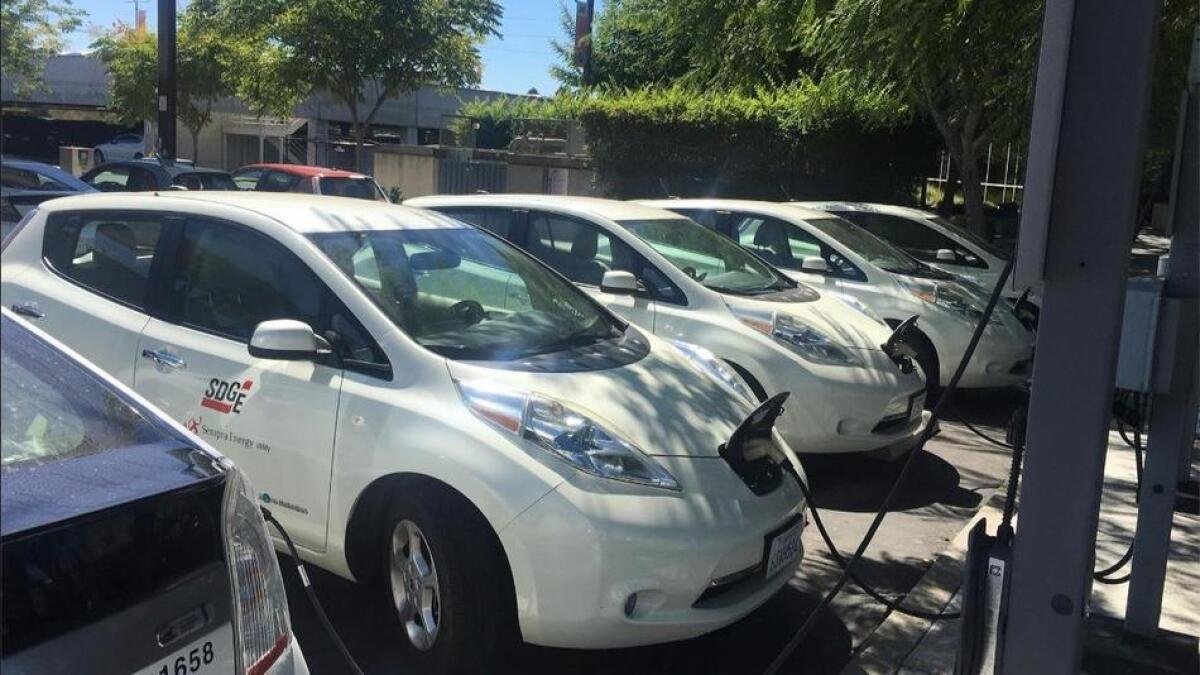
{"points": [[814, 263], [619, 282], [946, 255], [287, 340]]}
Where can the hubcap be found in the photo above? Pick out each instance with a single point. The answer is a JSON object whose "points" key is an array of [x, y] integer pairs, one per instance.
{"points": [[414, 584]]}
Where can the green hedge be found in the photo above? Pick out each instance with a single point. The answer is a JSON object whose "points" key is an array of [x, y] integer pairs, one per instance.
{"points": [[803, 140]]}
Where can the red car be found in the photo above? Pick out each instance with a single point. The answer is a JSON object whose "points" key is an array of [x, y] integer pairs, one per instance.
{"points": [[308, 179]]}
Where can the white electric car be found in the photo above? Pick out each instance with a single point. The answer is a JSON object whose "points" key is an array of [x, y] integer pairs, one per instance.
{"points": [[833, 254], [423, 404], [682, 282]]}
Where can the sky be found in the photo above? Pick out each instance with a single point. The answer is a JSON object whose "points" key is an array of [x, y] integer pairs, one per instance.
{"points": [[515, 62]]}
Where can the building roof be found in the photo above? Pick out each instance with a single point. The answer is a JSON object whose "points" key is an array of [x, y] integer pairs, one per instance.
{"points": [[307, 171]]}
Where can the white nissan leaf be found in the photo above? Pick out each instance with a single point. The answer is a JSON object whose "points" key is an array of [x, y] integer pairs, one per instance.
{"points": [[682, 282], [424, 405], [833, 254]]}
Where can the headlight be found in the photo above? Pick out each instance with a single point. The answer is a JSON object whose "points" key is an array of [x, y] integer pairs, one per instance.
{"points": [[948, 296], [810, 343], [715, 368], [862, 308], [566, 434]]}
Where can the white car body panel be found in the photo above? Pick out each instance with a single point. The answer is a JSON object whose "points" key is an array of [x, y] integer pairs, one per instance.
{"points": [[833, 409], [576, 544], [123, 146], [1005, 345]]}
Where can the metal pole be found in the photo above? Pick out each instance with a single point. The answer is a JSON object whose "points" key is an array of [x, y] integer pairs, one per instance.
{"points": [[166, 145], [587, 61], [1092, 204], [1172, 414], [1007, 158]]}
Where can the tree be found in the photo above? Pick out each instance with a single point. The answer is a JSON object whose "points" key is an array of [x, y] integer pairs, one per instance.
{"points": [[966, 64], [131, 57], [362, 52], [32, 31]]}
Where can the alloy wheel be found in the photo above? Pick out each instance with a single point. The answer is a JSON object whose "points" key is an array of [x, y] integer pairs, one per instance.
{"points": [[415, 592]]}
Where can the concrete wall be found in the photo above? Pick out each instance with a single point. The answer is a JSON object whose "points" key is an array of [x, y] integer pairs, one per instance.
{"points": [[411, 169], [415, 170]]}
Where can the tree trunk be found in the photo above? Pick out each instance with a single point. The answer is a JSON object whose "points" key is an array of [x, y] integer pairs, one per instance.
{"points": [[972, 186], [949, 189], [195, 133]]}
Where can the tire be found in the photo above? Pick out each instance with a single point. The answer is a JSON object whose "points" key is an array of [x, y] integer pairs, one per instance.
{"points": [[97, 158], [463, 615]]}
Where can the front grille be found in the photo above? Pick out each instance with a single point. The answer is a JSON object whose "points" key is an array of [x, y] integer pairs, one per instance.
{"points": [[891, 425]]}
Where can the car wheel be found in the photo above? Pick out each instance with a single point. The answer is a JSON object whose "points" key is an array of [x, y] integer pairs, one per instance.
{"points": [[444, 582], [98, 157]]}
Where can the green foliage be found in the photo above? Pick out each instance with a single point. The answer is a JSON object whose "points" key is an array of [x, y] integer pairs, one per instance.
{"points": [[32, 31], [804, 139], [131, 58]]}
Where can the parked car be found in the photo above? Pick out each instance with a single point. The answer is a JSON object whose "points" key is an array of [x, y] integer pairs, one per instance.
{"points": [[833, 254], [315, 180], [26, 176], [139, 175], [682, 282], [121, 146], [927, 237], [128, 545], [16, 204], [424, 404]]}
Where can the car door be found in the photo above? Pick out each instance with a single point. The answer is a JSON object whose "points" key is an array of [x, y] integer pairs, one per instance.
{"points": [[94, 289], [274, 418], [583, 251]]}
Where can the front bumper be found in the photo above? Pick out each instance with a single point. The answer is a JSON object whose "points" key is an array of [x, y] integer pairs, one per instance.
{"points": [[580, 552], [837, 409]]}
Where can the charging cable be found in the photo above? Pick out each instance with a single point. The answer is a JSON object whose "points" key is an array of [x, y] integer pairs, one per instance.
{"points": [[312, 595], [848, 569]]}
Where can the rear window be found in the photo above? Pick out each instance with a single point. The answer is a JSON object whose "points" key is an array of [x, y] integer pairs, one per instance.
{"points": [[357, 188], [109, 253], [23, 179], [55, 409]]}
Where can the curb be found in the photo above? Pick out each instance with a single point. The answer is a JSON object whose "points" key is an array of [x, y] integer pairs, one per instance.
{"points": [[883, 651]]}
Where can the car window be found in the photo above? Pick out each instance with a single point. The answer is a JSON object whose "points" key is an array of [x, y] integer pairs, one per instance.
{"points": [[188, 180], [577, 249], [278, 181], [465, 294], [915, 238], [500, 222], [109, 253], [205, 181], [230, 279], [23, 179], [54, 408], [356, 188], [141, 180], [247, 179], [128, 138], [786, 245], [110, 178]]}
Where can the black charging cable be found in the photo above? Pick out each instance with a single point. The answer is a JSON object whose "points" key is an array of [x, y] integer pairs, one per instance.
{"points": [[811, 621], [312, 595], [1105, 576]]}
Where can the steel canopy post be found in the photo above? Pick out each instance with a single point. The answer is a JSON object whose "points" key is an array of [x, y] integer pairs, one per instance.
{"points": [[166, 79], [1097, 112]]}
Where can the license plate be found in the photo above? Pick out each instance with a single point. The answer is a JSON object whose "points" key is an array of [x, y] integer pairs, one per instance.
{"points": [[783, 548], [210, 654]]}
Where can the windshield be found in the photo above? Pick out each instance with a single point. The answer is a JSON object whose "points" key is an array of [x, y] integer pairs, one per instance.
{"points": [[465, 294], [968, 235], [356, 188], [877, 251], [707, 257], [54, 409]]}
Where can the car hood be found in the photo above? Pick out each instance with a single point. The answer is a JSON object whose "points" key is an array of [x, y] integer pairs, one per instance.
{"points": [[844, 325], [660, 403]]}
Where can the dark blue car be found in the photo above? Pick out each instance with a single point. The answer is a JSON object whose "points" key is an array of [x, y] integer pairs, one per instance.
{"points": [[127, 545]]}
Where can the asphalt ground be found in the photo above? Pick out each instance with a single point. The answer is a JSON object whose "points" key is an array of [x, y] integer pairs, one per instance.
{"points": [[953, 476]]}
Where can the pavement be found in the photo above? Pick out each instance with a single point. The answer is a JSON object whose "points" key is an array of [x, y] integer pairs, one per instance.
{"points": [[917, 552]]}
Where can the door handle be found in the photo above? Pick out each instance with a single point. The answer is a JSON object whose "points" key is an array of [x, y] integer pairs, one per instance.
{"points": [[29, 309], [163, 358]]}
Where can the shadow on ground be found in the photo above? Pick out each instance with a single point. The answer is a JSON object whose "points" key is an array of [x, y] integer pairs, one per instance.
{"points": [[860, 484]]}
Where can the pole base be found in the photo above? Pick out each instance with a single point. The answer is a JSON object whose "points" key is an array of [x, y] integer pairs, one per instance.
{"points": [[1110, 650]]}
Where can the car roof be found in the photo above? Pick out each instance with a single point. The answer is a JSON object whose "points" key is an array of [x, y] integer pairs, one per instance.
{"points": [[605, 208], [303, 213], [151, 163], [778, 209], [307, 171], [867, 207]]}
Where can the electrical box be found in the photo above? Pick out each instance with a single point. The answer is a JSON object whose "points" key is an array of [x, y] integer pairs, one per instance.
{"points": [[75, 160], [1139, 332]]}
